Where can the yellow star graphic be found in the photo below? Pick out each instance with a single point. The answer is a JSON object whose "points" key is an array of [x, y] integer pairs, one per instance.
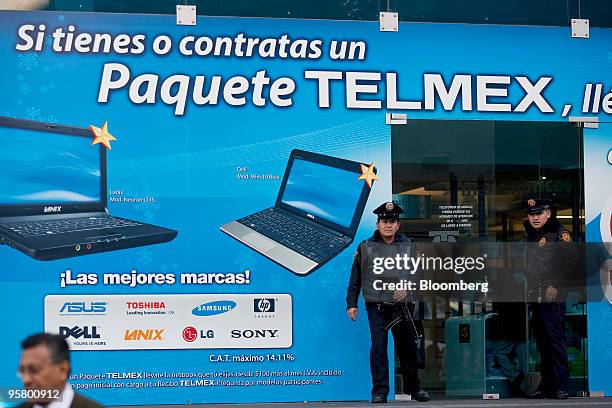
{"points": [[367, 174], [101, 135]]}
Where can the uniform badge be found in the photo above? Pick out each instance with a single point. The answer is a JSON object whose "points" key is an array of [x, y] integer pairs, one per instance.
{"points": [[566, 237], [389, 206], [531, 202], [542, 242]]}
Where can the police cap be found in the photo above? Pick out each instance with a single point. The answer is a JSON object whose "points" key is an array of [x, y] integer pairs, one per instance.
{"points": [[536, 205], [388, 211]]}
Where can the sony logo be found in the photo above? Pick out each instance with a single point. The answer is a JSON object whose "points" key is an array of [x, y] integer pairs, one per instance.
{"points": [[53, 209], [310, 216]]}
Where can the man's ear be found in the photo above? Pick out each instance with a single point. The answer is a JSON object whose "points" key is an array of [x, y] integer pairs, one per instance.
{"points": [[64, 367]]}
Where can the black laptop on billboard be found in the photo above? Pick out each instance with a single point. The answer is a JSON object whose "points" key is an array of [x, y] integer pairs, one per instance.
{"points": [[53, 194], [316, 214]]}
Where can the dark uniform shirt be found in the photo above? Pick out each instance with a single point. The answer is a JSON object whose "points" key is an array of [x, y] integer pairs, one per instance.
{"points": [[354, 287], [548, 255]]}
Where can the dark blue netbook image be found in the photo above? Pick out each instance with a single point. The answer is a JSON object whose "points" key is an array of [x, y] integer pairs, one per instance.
{"points": [[53, 194]]}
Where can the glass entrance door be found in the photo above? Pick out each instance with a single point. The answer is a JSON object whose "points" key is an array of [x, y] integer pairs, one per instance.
{"points": [[465, 181]]}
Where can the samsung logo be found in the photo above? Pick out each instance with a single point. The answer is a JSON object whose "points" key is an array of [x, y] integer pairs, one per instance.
{"points": [[53, 209], [214, 308]]}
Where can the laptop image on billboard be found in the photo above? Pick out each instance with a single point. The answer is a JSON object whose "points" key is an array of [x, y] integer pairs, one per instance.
{"points": [[316, 214], [53, 194]]}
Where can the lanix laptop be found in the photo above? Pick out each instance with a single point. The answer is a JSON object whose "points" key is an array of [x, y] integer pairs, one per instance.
{"points": [[315, 217], [53, 194]]}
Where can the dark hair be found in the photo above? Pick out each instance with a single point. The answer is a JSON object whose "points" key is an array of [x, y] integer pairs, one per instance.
{"points": [[57, 345]]}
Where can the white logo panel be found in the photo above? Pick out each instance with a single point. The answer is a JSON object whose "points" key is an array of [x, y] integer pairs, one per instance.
{"points": [[162, 322]]}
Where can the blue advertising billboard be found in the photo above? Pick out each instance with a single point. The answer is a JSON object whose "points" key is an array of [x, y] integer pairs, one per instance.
{"points": [[203, 142]]}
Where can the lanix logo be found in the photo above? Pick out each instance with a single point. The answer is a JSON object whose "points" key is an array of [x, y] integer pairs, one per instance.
{"points": [[310, 216], [76, 332], [53, 209], [149, 334], [83, 308], [214, 308], [264, 305], [146, 305]]}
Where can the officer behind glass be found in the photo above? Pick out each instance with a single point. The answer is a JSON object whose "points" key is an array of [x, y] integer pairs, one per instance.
{"points": [[381, 316], [547, 259]]}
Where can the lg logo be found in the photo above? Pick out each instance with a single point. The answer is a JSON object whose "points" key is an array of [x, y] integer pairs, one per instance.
{"points": [[190, 334]]}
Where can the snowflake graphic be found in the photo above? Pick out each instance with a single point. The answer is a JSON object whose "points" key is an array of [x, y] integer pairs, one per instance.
{"points": [[149, 216], [20, 77], [25, 89], [51, 119], [42, 89], [145, 257], [245, 260], [33, 113], [28, 61]]}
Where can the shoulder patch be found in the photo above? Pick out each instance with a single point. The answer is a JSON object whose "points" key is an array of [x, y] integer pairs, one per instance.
{"points": [[565, 236]]}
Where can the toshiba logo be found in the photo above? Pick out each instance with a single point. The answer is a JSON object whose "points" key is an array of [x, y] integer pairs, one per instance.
{"points": [[146, 305], [53, 209], [150, 334]]}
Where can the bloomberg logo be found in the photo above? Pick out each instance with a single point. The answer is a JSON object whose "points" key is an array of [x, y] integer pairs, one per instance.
{"points": [[264, 305], [83, 308], [86, 332], [214, 308]]}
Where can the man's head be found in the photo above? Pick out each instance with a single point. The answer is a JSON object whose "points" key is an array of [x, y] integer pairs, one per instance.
{"points": [[538, 211], [388, 220], [45, 362]]}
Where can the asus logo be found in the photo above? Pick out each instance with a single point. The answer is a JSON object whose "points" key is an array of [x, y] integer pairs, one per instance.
{"points": [[53, 209], [310, 216]]}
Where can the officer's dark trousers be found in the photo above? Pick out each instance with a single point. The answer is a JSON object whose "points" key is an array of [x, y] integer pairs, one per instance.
{"points": [[403, 335], [549, 331]]}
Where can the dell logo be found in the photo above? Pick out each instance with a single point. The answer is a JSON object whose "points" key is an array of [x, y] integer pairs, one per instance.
{"points": [[310, 216], [87, 332], [53, 209]]}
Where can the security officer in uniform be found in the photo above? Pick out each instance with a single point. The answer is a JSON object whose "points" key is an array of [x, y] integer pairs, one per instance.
{"points": [[382, 315], [548, 257]]}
